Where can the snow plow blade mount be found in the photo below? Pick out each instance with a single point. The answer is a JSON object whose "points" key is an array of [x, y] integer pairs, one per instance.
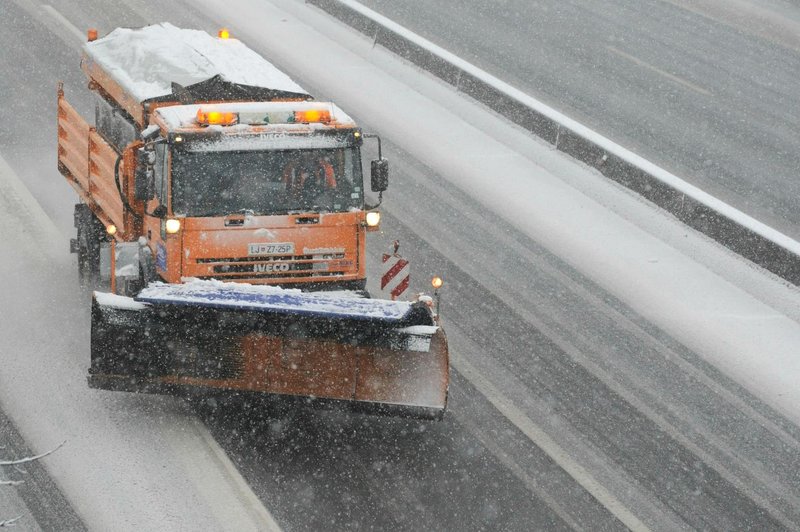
{"points": [[367, 355]]}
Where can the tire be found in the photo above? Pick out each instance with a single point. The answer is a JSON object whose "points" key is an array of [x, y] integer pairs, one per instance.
{"points": [[90, 235], [132, 287]]}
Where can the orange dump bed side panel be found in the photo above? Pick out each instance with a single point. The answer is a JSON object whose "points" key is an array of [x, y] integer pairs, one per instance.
{"points": [[106, 84], [102, 184], [87, 161], [73, 144]]}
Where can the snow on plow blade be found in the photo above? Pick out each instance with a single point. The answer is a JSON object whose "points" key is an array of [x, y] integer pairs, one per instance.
{"points": [[367, 354]]}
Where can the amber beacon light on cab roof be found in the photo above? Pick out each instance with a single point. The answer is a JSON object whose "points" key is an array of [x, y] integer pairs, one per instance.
{"points": [[222, 221]]}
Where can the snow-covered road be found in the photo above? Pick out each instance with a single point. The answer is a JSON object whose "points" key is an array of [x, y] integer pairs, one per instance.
{"points": [[611, 367]]}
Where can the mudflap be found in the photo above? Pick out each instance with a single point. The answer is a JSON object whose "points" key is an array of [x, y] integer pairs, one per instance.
{"points": [[356, 364]]}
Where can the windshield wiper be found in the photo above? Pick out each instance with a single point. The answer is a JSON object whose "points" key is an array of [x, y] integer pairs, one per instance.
{"points": [[245, 212]]}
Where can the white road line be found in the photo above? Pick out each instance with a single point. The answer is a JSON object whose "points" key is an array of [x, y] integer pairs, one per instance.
{"points": [[531, 483], [671, 77], [64, 22], [260, 513], [546, 444]]}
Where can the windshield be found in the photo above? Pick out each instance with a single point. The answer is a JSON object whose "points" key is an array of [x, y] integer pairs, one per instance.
{"points": [[216, 183]]}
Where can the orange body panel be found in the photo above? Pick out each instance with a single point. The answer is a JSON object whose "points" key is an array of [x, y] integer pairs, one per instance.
{"points": [[73, 143], [88, 161], [102, 185], [314, 248]]}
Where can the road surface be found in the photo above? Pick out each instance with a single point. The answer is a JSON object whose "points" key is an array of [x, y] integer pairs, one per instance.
{"points": [[572, 407]]}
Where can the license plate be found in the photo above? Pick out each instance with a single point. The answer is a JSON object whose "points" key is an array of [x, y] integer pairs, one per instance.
{"points": [[280, 248]]}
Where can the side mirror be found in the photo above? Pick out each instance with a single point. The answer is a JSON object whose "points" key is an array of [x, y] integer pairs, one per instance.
{"points": [[160, 211], [379, 175], [144, 187]]}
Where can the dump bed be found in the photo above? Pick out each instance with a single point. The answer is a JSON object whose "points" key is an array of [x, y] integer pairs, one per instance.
{"points": [[143, 68]]}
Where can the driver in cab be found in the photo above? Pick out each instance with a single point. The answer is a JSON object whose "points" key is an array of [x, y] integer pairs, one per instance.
{"points": [[310, 178]]}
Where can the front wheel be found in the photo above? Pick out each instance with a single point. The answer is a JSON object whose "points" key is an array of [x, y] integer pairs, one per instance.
{"points": [[132, 287]]}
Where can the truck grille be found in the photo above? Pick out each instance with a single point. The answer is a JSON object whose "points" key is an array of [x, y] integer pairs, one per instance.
{"points": [[277, 267]]}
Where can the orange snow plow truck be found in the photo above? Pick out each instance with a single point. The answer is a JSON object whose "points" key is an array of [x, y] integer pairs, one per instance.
{"points": [[222, 211]]}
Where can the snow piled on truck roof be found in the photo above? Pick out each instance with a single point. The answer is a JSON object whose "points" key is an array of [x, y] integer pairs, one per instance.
{"points": [[146, 61]]}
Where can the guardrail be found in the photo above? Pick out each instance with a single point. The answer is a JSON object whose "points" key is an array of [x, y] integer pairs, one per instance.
{"points": [[734, 229]]}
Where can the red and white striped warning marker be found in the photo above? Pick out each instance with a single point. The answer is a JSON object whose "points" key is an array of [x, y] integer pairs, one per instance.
{"points": [[396, 274]]}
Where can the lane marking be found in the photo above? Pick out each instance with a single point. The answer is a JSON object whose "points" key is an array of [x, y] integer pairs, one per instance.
{"points": [[530, 483], [547, 444], [259, 511], [671, 77], [64, 22], [228, 497]]}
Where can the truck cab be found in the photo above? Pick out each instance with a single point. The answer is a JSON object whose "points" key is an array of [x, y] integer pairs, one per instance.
{"points": [[260, 192], [206, 161]]}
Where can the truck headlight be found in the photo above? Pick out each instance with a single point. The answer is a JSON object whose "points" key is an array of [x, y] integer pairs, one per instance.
{"points": [[373, 218], [172, 226]]}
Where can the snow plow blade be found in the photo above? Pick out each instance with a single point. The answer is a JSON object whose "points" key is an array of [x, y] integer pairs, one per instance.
{"points": [[363, 354]]}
